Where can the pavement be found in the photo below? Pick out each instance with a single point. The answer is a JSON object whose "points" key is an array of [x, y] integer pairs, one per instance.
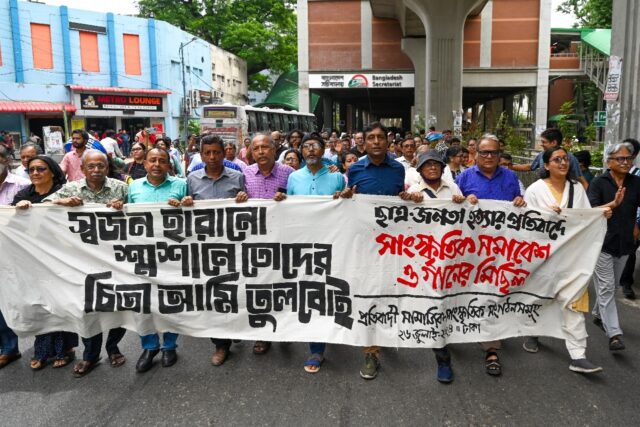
{"points": [[534, 390]]}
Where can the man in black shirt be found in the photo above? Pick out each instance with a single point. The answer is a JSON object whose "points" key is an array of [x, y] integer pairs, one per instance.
{"points": [[620, 191]]}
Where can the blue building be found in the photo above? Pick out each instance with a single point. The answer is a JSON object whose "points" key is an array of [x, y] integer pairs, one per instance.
{"points": [[100, 71]]}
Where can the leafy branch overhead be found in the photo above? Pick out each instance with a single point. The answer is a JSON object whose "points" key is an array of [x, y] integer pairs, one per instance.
{"points": [[590, 13], [262, 32]]}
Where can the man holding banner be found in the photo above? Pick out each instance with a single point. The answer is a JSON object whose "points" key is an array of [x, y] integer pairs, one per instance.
{"points": [[215, 181], [314, 180], [158, 186], [375, 173], [487, 180], [96, 187]]}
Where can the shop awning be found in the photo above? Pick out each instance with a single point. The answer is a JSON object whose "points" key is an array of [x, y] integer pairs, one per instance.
{"points": [[106, 89], [35, 107]]}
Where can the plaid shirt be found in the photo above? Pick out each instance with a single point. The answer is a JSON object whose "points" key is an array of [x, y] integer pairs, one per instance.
{"points": [[112, 189], [265, 187]]}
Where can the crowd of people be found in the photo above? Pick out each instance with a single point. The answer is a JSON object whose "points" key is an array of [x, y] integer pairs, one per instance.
{"points": [[374, 161]]}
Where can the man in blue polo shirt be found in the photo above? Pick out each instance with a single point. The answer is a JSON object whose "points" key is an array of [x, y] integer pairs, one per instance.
{"points": [[157, 187], [314, 179], [487, 180], [376, 173]]}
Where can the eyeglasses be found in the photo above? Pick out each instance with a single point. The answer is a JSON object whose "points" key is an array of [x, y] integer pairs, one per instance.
{"points": [[97, 166], [309, 146], [488, 153], [626, 159], [559, 160], [39, 169]]}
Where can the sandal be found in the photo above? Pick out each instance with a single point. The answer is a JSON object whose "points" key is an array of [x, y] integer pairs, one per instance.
{"points": [[61, 362], [313, 363], [492, 363], [261, 347], [83, 367], [117, 360], [36, 364]]}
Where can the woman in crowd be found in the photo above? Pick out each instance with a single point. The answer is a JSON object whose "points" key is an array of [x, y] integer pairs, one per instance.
{"points": [[454, 158], [346, 160], [292, 158], [244, 150], [472, 147], [135, 168], [556, 190], [46, 178]]}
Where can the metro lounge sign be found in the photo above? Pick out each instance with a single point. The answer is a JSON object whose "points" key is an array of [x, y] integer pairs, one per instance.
{"points": [[120, 102]]}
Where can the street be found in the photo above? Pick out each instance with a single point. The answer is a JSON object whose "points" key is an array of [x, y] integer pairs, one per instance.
{"points": [[535, 389]]}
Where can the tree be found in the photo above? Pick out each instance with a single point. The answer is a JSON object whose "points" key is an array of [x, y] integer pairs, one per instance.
{"points": [[590, 13], [262, 32]]}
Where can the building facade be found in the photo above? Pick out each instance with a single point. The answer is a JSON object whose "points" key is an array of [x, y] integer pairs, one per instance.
{"points": [[432, 62], [229, 76], [99, 70]]}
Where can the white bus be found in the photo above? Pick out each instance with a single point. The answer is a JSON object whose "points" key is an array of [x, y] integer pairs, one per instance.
{"points": [[236, 122]]}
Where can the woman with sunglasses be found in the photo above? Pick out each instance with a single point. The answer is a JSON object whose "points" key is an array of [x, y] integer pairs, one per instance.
{"points": [[46, 178], [558, 189]]}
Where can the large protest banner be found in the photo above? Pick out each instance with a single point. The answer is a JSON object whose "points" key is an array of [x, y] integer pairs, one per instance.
{"points": [[365, 271]]}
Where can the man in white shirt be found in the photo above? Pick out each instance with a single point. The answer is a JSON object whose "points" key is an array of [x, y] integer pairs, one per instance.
{"points": [[408, 153], [111, 145]]}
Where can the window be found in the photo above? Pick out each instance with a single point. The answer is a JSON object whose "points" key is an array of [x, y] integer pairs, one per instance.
{"points": [[89, 57], [131, 43], [41, 46]]}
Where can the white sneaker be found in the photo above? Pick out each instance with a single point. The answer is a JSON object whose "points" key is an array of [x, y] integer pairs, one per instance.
{"points": [[584, 366]]}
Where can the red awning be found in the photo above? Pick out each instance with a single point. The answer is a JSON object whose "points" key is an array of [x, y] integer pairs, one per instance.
{"points": [[118, 90], [35, 107]]}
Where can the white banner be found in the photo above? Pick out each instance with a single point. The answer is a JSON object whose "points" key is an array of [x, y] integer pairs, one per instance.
{"points": [[371, 270]]}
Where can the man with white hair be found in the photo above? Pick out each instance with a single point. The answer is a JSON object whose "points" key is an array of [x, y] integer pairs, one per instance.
{"points": [[619, 190]]}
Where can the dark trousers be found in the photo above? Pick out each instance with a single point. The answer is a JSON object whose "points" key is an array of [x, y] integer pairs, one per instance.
{"points": [[221, 343], [93, 345], [627, 274], [442, 355]]}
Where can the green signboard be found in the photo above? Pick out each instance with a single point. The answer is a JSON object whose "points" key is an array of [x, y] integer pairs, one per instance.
{"points": [[600, 118]]}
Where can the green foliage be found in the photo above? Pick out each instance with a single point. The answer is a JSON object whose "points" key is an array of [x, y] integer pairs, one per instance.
{"points": [[472, 132], [566, 126], [515, 142], [590, 13], [597, 152], [262, 32]]}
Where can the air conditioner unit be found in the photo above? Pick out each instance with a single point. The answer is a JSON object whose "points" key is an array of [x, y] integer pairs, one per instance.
{"points": [[195, 98]]}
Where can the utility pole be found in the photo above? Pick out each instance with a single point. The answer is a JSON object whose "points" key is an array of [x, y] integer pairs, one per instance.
{"points": [[185, 112]]}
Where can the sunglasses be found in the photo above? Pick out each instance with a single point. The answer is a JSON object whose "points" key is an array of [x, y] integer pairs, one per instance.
{"points": [[39, 169]]}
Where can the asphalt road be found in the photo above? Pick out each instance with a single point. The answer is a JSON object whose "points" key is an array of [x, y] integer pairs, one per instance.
{"points": [[535, 389]]}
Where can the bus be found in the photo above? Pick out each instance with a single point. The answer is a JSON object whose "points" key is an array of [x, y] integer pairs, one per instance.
{"points": [[235, 122]]}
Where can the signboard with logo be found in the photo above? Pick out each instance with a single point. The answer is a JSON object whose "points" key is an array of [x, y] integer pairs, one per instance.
{"points": [[89, 101], [613, 79], [361, 80], [600, 118], [220, 113]]}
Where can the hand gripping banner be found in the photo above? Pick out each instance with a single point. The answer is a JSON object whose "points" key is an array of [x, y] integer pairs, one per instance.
{"points": [[366, 271]]}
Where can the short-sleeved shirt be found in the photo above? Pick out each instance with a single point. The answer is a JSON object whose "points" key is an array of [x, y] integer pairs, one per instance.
{"points": [[112, 189], [573, 164], [386, 179], [71, 165], [202, 187], [265, 187], [324, 183], [503, 184], [196, 163], [142, 191], [11, 185], [446, 190], [619, 238]]}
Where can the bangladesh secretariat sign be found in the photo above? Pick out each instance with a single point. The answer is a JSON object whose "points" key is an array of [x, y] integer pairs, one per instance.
{"points": [[361, 80], [92, 101]]}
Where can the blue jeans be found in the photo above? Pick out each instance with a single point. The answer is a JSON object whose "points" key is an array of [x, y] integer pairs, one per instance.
{"points": [[8, 339], [317, 347], [152, 341]]}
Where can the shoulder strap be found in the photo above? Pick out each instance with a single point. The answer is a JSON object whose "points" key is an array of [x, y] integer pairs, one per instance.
{"points": [[570, 204], [429, 193]]}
